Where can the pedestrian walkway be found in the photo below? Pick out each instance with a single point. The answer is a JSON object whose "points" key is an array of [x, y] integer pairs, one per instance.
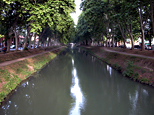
{"points": [[128, 54], [23, 58]]}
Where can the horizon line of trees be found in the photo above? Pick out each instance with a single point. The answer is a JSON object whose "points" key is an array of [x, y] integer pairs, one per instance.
{"points": [[43, 18], [102, 20]]}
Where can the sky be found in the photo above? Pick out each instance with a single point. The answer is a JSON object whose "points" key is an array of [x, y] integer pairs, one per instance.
{"points": [[77, 13]]}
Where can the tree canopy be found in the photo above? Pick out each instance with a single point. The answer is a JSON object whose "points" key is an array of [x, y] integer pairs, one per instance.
{"points": [[116, 20], [35, 15]]}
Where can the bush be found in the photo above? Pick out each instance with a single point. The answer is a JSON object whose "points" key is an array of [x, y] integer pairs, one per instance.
{"points": [[135, 76], [117, 67], [143, 80], [129, 69]]}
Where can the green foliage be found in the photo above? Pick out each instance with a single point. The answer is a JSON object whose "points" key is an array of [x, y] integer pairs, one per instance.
{"points": [[2, 95], [7, 77], [117, 67], [37, 15], [19, 70], [143, 80], [1, 36], [122, 17], [129, 69], [135, 76]]}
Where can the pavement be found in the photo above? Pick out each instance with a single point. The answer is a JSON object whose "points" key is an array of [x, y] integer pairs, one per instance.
{"points": [[136, 55], [23, 58]]}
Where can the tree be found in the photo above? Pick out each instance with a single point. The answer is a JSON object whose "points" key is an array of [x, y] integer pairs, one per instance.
{"points": [[33, 15]]}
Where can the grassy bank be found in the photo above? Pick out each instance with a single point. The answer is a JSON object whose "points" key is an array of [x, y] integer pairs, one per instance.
{"points": [[136, 68], [12, 75]]}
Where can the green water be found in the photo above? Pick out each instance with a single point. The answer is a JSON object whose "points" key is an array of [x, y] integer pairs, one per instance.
{"points": [[76, 83]]}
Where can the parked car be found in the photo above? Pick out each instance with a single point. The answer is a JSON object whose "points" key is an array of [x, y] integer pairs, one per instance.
{"points": [[12, 47], [121, 46], [4, 49], [147, 46], [137, 47]]}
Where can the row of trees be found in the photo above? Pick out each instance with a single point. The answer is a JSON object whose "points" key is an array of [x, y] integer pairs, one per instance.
{"points": [[116, 20], [45, 18]]}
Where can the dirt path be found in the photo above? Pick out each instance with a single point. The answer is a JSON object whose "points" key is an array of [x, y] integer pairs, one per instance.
{"points": [[20, 59], [128, 54]]}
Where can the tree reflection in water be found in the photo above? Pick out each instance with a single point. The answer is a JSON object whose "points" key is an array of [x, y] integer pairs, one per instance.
{"points": [[76, 93]]}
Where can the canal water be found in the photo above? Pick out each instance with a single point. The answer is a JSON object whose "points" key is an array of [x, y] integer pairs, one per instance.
{"points": [[76, 83]]}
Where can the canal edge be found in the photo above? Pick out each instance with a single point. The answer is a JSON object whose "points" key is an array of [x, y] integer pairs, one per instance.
{"points": [[56, 51], [144, 80]]}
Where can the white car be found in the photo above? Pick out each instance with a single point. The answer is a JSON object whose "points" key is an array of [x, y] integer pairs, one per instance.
{"points": [[12, 46]]}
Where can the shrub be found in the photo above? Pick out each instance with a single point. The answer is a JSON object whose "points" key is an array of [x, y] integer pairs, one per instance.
{"points": [[135, 76], [129, 69], [2, 95], [143, 80], [117, 67]]}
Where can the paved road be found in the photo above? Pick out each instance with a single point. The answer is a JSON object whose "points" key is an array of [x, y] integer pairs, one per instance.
{"points": [[20, 59], [129, 54]]}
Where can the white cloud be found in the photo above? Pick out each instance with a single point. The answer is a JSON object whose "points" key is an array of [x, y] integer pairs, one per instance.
{"points": [[78, 11]]}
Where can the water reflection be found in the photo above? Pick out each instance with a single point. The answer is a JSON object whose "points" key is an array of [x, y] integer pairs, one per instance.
{"points": [[109, 69], [76, 93], [25, 84], [79, 50], [93, 59], [133, 100]]}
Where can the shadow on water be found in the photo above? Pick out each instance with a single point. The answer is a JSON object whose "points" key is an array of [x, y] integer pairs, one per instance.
{"points": [[76, 83]]}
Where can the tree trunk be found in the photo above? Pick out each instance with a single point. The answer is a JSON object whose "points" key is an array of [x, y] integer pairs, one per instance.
{"points": [[142, 29], [30, 40], [8, 44], [50, 41], [26, 39], [40, 37], [142, 38], [103, 38], [123, 35], [109, 41], [152, 20], [42, 45], [131, 35], [106, 43], [34, 41], [113, 32], [16, 38], [113, 41], [15, 32], [38, 43]]}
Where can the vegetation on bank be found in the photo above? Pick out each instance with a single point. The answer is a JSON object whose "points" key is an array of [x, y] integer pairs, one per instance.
{"points": [[12, 75], [136, 68]]}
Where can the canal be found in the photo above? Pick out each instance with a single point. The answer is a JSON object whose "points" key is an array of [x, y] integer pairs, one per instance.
{"points": [[76, 83]]}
